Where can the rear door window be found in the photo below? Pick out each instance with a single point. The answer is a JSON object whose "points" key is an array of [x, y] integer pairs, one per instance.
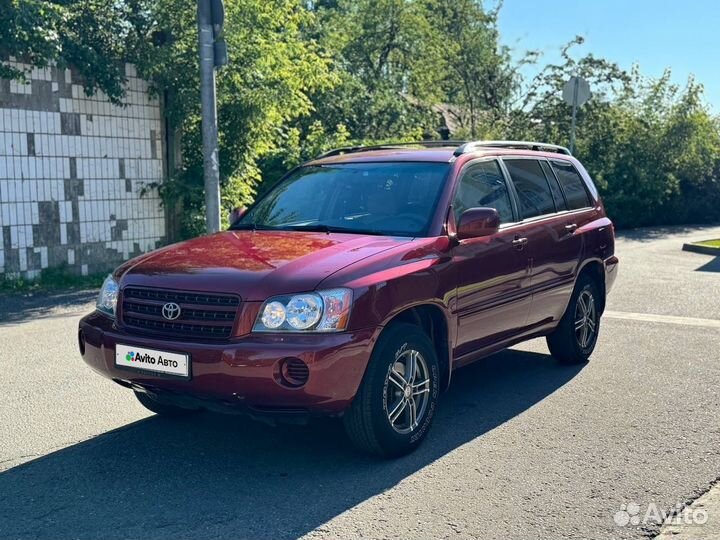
{"points": [[533, 190], [572, 184]]}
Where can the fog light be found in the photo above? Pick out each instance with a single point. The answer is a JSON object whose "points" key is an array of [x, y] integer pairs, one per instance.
{"points": [[293, 372]]}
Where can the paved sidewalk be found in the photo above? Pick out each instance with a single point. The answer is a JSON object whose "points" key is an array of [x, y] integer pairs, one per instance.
{"points": [[699, 520]]}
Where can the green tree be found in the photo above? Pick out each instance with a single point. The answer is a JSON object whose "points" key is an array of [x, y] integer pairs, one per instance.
{"points": [[383, 59], [95, 37], [477, 75], [265, 88], [658, 156], [651, 146], [305, 76]]}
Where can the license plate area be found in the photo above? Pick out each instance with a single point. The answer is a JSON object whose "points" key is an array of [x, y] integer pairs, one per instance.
{"points": [[142, 359]]}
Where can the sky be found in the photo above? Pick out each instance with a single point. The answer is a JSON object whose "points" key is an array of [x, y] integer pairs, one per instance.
{"points": [[656, 34]]}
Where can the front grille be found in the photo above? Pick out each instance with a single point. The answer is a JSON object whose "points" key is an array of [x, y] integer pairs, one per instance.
{"points": [[202, 315]]}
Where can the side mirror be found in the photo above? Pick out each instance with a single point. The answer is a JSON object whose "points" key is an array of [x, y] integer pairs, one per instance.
{"points": [[477, 222], [237, 213]]}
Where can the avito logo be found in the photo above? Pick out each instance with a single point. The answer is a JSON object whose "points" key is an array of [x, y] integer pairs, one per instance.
{"points": [[144, 358], [148, 359]]}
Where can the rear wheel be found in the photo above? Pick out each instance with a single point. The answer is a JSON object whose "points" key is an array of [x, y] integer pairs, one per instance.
{"points": [[162, 409], [394, 407], [573, 341]]}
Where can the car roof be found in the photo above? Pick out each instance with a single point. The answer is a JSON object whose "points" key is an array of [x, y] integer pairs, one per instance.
{"points": [[437, 154]]}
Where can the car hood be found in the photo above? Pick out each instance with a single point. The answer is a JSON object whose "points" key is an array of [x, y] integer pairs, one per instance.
{"points": [[253, 264]]}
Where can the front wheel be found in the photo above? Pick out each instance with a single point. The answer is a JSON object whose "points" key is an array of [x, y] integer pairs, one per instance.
{"points": [[394, 407], [573, 341]]}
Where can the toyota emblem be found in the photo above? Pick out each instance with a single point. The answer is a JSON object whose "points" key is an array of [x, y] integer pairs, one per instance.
{"points": [[171, 311]]}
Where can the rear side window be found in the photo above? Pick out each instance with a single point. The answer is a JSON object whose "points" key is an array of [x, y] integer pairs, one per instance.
{"points": [[572, 184], [483, 185], [554, 187], [531, 186]]}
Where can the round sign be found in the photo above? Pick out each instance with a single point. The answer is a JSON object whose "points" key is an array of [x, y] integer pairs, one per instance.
{"points": [[576, 90]]}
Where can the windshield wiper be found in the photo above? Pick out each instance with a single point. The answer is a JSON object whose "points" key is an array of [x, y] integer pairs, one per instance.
{"points": [[332, 229], [252, 227]]}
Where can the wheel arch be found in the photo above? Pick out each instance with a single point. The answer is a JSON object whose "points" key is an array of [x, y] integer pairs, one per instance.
{"points": [[595, 269], [433, 320]]}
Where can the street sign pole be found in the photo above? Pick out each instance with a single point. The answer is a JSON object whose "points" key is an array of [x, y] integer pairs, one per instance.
{"points": [[574, 114], [208, 103], [575, 92]]}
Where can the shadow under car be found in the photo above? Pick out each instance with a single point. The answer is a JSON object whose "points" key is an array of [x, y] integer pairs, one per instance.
{"points": [[228, 477]]}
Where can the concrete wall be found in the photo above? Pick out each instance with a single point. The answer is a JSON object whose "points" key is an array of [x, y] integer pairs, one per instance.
{"points": [[72, 169]]}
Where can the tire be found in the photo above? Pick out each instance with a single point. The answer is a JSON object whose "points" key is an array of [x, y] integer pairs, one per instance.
{"points": [[385, 392], [570, 343], [162, 409]]}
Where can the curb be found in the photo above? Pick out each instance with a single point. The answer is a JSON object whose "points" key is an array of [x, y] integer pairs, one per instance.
{"points": [[698, 248], [699, 519]]}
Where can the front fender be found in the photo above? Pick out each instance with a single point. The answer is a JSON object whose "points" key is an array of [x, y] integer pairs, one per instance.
{"points": [[392, 284]]}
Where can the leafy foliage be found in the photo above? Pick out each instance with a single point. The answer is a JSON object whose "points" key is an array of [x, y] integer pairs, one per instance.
{"points": [[265, 88], [94, 36], [305, 76], [383, 65], [478, 77], [652, 147]]}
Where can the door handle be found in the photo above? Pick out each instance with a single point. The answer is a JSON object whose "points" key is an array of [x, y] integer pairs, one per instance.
{"points": [[519, 243], [571, 227]]}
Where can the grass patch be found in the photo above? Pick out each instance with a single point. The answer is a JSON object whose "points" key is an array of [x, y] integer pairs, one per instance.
{"points": [[52, 279], [709, 243]]}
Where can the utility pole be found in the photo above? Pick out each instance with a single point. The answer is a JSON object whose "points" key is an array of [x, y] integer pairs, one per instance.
{"points": [[213, 53]]}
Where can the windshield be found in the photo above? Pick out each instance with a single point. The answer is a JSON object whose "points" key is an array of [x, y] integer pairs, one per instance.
{"points": [[369, 198]]}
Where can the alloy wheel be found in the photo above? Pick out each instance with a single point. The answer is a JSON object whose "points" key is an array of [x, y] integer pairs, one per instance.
{"points": [[408, 391], [585, 319]]}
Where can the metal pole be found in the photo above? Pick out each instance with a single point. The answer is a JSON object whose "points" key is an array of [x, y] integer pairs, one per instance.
{"points": [[209, 116], [574, 112]]}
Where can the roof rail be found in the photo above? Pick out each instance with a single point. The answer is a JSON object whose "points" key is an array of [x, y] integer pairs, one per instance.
{"points": [[523, 145], [388, 146]]}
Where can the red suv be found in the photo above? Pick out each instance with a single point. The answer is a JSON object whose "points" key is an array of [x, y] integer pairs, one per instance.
{"points": [[359, 283]]}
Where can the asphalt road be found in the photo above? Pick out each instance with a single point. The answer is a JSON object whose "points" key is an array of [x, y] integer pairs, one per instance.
{"points": [[521, 447]]}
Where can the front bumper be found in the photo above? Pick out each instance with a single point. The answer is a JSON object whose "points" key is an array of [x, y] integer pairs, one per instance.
{"points": [[242, 373]]}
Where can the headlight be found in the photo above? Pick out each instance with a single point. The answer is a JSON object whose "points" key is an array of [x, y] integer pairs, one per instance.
{"points": [[304, 311], [107, 299], [274, 315], [321, 311]]}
